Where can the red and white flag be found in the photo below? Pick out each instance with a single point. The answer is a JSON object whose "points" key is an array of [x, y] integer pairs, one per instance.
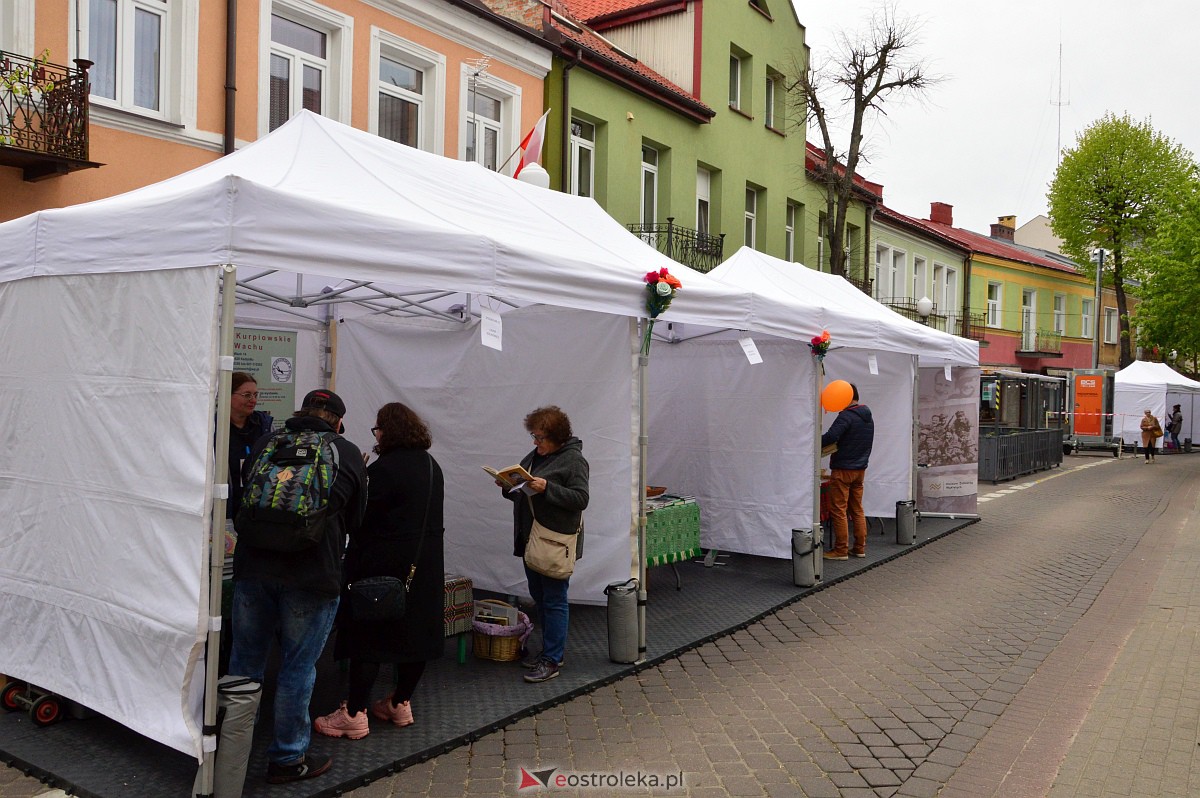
{"points": [[531, 145]]}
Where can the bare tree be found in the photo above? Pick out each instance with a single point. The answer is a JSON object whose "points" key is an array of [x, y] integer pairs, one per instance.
{"points": [[857, 79]]}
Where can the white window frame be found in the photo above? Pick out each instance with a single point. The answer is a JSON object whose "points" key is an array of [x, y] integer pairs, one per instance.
{"points": [[735, 81], [703, 200], [649, 185], [949, 295], [791, 211], [339, 47], [1029, 326], [995, 304], [920, 282], [899, 268], [1112, 326], [509, 95], [17, 26], [432, 124], [177, 68], [1060, 314], [582, 143], [751, 228], [1086, 313]]}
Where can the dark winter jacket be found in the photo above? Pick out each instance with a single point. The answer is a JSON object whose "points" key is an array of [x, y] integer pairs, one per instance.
{"points": [[319, 567], [561, 507], [241, 443], [854, 432], [402, 483]]}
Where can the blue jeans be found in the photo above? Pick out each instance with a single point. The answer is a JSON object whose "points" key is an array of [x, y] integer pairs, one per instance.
{"points": [[301, 620], [550, 595]]}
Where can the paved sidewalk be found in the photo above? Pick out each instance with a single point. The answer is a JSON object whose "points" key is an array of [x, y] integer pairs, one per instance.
{"points": [[1042, 651]]}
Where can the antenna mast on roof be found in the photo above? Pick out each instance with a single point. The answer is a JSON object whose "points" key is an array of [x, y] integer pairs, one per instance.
{"points": [[1060, 102]]}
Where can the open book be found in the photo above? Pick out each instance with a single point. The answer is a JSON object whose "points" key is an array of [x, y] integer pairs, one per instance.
{"points": [[514, 476]]}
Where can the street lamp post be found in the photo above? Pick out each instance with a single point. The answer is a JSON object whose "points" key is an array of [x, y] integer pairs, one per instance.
{"points": [[924, 308], [1098, 259]]}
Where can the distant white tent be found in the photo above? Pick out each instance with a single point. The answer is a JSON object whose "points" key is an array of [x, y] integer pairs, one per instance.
{"points": [[1142, 386]]}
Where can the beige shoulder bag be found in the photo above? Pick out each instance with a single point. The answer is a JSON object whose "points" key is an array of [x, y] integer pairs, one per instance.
{"points": [[549, 553]]}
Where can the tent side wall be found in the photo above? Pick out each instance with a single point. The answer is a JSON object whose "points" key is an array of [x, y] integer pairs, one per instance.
{"points": [[105, 481], [475, 399], [740, 436]]}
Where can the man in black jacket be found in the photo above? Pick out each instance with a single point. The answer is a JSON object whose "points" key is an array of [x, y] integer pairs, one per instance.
{"points": [[292, 596], [854, 432]]}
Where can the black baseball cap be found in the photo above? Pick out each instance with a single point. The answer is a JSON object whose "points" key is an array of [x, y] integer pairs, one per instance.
{"points": [[322, 399]]}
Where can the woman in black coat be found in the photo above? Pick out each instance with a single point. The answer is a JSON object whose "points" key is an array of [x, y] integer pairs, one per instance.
{"points": [[405, 483]]}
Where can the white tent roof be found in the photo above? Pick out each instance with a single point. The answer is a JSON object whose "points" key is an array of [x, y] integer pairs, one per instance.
{"points": [[1143, 374], [852, 318], [323, 198]]}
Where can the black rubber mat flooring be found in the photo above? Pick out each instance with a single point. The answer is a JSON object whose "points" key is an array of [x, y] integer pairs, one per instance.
{"points": [[454, 703]]}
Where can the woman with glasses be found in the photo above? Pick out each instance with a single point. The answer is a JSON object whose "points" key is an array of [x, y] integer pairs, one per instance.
{"points": [[402, 529], [557, 496], [246, 426]]}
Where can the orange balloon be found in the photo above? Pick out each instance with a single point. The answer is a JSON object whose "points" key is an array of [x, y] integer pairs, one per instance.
{"points": [[836, 396]]}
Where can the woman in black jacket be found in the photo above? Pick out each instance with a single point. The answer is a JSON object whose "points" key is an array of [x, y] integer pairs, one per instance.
{"points": [[558, 497], [405, 488]]}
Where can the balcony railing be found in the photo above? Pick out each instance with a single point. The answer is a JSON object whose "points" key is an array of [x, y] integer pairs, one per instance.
{"points": [[692, 248], [43, 116], [1040, 342]]}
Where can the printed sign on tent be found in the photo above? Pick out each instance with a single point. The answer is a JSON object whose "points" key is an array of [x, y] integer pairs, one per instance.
{"points": [[269, 356], [750, 349], [491, 329]]}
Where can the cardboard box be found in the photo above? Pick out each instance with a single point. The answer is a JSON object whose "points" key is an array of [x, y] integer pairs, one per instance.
{"points": [[458, 605], [500, 614]]}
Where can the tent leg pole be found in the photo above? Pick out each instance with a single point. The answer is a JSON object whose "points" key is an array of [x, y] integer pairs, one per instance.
{"points": [[216, 556], [916, 428], [643, 593], [818, 380]]}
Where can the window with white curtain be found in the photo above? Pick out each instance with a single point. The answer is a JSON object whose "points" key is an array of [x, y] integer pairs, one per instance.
{"points": [[583, 158], [1060, 314], [1085, 318], [703, 201], [751, 217], [789, 232], [409, 91], [128, 44], [994, 297], [1112, 330]]}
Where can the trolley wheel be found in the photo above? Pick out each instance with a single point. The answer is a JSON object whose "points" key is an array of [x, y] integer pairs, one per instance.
{"points": [[8, 698], [45, 710]]}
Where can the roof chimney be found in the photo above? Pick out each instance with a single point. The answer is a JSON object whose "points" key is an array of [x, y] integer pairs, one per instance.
{"points": [[941, 213], [1004, 228]]}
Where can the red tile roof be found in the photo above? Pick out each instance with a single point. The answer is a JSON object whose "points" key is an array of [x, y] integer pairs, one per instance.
{"points": [[589, 10], [814, 157], [977, 243]]}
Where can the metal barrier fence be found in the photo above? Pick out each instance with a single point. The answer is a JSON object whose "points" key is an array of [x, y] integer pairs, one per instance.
{"points": [[1011, 453]]}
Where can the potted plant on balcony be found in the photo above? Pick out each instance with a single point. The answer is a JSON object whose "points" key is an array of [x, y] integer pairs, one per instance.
{"points": [[23, 86]]}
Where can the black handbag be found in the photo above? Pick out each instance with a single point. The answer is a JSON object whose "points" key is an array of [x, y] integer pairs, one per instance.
{"points": [[385, 598]]}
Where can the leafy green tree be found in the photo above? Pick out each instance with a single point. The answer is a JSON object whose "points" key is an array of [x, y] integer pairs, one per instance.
{"points": [[1171, 284], [1114, 190]]}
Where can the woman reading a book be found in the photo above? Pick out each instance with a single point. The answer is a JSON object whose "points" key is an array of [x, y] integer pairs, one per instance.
{"points": [[556, 495]]}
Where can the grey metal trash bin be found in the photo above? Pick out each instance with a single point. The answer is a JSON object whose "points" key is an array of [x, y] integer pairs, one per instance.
{"points": [[622, 621], [1187, 445], [806, 557], [906, 522]]}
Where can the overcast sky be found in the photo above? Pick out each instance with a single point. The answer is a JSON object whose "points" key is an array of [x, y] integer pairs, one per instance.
{"points": [[985, 139]]}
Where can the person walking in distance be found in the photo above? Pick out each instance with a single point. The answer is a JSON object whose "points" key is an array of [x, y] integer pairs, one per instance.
{"points": [[854, 433], [1175, 426], [1151, 432]]}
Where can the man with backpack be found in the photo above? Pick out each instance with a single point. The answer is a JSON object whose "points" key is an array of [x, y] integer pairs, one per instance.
{"points": [[305, 490], [854, 433]]}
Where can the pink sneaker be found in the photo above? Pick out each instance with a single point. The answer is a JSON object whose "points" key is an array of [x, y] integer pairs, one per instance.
{"points": [[341, 723], [399, 714]]}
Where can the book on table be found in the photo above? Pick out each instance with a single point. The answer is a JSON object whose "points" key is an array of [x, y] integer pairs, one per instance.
{"points": [[513, 477]]}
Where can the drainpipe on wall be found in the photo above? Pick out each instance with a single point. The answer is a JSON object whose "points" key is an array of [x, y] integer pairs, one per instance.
{"points": [[230, 75], [966, 297], [869, 217], [564, 178]]}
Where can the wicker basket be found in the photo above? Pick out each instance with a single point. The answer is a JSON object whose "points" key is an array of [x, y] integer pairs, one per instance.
{"points": [[499, 643]]}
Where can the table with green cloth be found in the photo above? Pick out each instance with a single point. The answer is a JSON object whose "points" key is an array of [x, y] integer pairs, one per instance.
{"points": [[672, 529]]}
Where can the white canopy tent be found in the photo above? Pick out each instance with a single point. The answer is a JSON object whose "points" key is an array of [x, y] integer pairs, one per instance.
{"points": [[742, 437], [1157, 387], [118, 337]]}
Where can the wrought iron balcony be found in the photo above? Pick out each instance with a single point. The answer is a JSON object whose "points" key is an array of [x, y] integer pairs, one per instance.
{"points": [[43, 116], [700, 251], [1036, 342]]}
